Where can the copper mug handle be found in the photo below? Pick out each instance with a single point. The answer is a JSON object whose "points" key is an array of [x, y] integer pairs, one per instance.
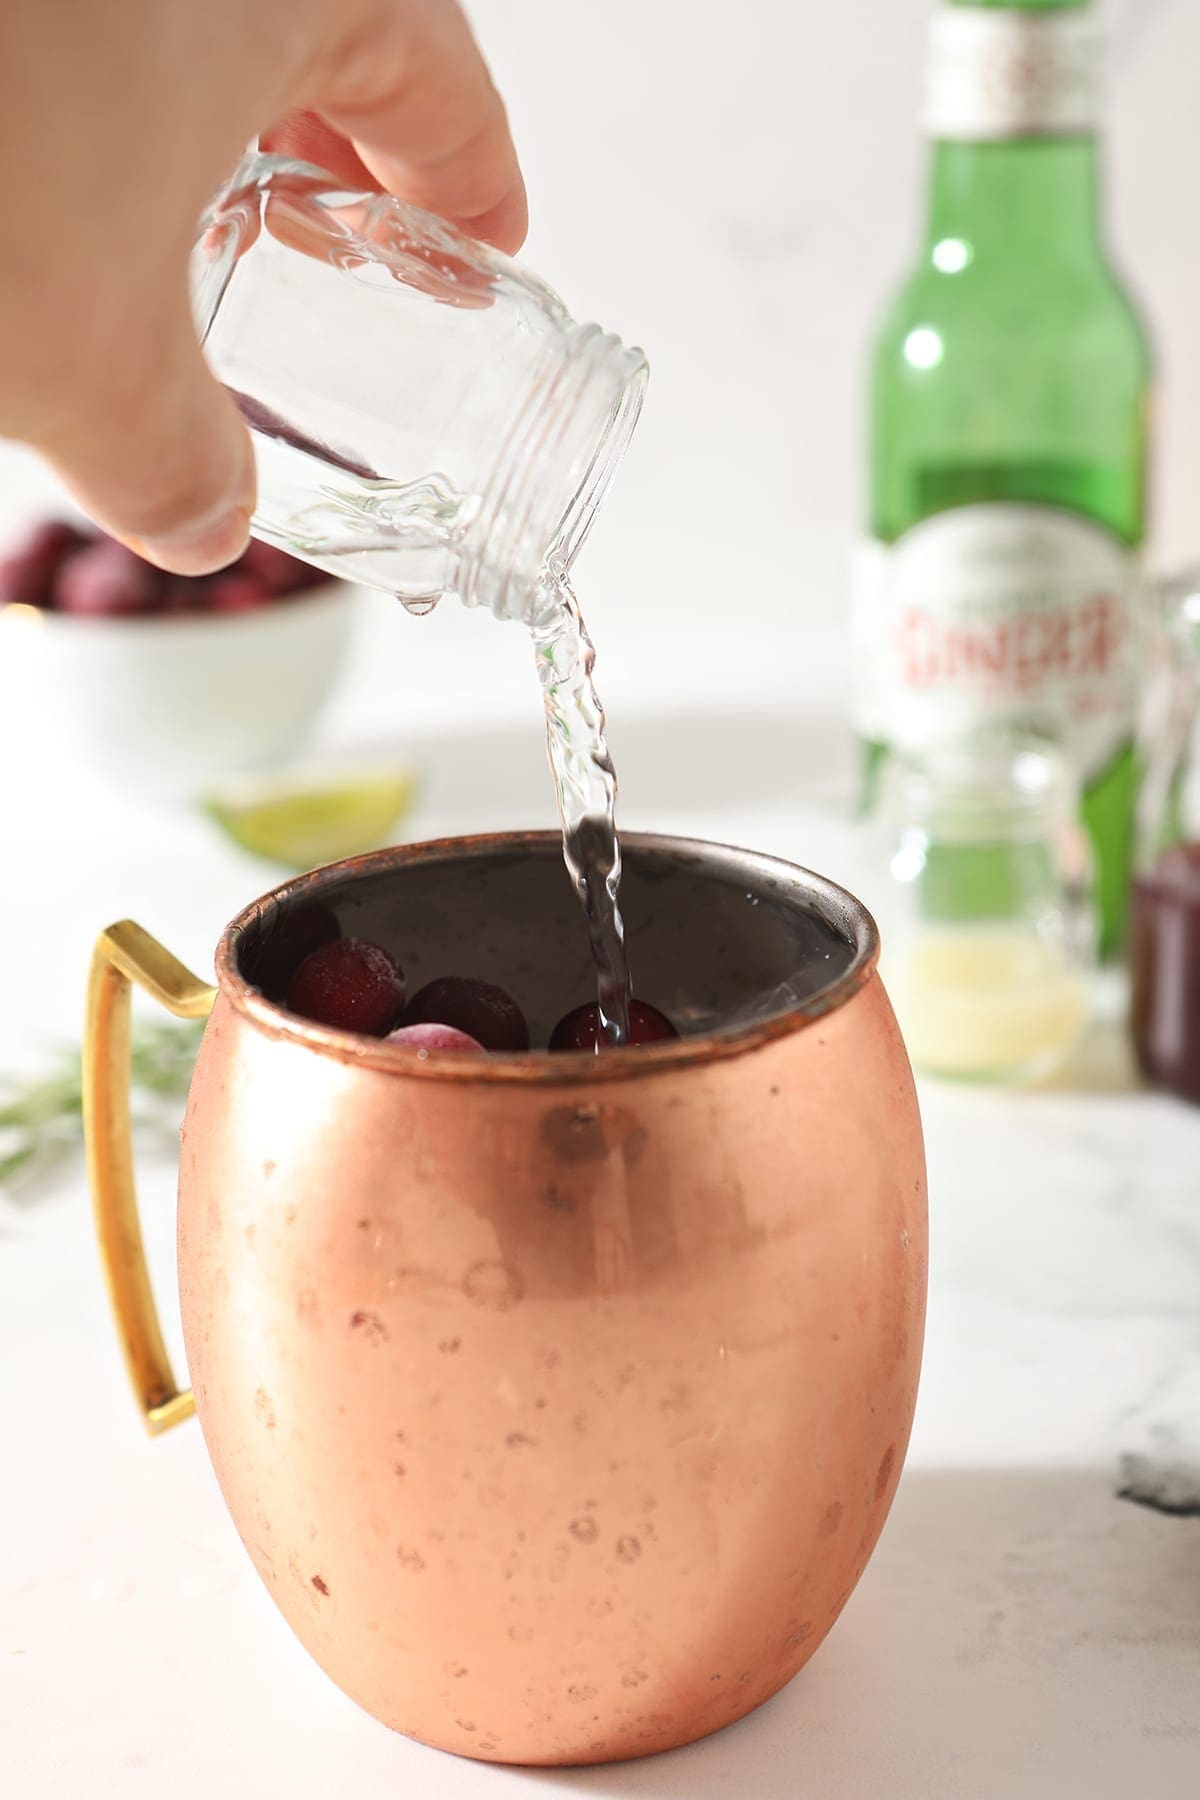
{"points": [[125, 954]]}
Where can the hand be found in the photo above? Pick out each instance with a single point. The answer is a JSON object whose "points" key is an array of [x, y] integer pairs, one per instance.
{"points": [[118, 120]]}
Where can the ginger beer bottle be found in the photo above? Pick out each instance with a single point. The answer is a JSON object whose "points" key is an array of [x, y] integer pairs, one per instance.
{"points": [[1008, 431]]}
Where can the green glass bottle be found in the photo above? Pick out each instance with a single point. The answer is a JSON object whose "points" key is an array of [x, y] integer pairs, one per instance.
{"points": [[1008, 432]]}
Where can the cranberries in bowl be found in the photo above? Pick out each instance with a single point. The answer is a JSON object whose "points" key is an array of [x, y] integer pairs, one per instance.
{"points": [[162, 685]]}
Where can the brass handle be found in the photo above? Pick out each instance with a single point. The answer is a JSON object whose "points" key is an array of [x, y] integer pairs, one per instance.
{"points": [[125, 954]]}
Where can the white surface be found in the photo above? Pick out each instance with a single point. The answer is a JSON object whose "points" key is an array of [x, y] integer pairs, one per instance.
{"points": [[1020, 1632]]}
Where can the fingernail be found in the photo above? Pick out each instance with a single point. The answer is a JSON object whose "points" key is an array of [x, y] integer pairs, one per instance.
{"points": [[202, 547]]}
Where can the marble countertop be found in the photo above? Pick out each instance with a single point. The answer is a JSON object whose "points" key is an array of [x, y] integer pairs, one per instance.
{"points": [[1021, 1632]]}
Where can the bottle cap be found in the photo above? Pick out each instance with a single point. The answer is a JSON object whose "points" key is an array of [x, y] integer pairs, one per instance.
{"points": [[1000, 72]]}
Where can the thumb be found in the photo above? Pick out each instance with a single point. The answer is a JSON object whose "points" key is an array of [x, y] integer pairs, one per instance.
{"points": [[154, 449]]}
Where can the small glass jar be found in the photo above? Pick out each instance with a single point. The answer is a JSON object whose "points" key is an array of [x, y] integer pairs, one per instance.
{"points": [[427, 418], [989, 935]]}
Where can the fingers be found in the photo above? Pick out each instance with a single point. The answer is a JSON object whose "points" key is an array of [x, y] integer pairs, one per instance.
{"points": [[154, 450], [419, 106], [121, 401], [311, 139]]}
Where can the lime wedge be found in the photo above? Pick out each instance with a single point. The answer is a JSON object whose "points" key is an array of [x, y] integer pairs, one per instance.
{"points": [[303, 819]]}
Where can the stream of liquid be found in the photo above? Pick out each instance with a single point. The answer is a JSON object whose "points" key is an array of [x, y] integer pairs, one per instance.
{"points": [[585, 786]]}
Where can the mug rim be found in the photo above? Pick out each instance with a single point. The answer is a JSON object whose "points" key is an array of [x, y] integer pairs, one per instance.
{"points": [[538, 1067]]}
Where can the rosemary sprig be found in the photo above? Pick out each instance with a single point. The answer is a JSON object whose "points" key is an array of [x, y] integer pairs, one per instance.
{"points": [[41, 1121]]}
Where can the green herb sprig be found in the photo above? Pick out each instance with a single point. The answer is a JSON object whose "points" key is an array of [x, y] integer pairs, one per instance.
{"points": [[41, 1120]]}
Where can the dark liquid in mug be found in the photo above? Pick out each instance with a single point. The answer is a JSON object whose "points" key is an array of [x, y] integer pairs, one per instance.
{"points": [[1166, 971]]}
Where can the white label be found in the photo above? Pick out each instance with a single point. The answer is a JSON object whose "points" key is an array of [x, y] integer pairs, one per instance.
{"points": [[998, 615], [995, 73]]}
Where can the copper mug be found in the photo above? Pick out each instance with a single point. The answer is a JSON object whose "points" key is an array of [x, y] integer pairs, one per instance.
{"points": [[558, 1400]]}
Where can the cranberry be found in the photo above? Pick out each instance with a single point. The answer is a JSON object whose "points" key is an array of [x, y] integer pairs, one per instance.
{"points": [[350, 983], [293, 934], [442, 1038], [27, 573], [275, 570], [580, 1028], [107, 580], [236, 590], [485, 1012], [181, 595]]}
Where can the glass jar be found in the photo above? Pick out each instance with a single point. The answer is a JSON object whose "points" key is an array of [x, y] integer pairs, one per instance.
{"points": [[427, 418], [1165, 931], [989, 936]]}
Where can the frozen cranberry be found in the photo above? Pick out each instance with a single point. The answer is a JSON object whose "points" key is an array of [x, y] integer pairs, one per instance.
{"points": [[580, 1028], [236, 591], [483, 1011], [350, 983], [184, 594], [107, 580], [442, 1038], [27, 573], [275, 955], [276, 571]]}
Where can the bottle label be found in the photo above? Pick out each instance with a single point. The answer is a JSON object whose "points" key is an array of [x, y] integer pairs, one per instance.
{"points": [[998, 615], [999, 73]]}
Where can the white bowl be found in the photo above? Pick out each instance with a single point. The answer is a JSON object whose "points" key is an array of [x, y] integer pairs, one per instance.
{"points": [[164, 707]]}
